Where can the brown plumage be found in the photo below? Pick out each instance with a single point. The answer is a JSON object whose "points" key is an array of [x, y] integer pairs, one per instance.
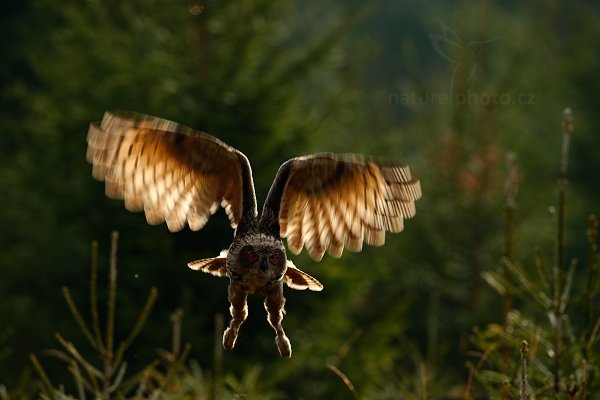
{"points": [[324, 202]]}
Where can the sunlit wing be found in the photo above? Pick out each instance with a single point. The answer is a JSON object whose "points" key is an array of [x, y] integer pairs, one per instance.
{"points": [[330, 202], [215, 266], [299, 280], [173, 173]]}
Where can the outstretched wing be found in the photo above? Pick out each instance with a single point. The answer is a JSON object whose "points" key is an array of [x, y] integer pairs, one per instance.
{"points": [[216, 266], [327, 202], [300, 280], [171, 172]]}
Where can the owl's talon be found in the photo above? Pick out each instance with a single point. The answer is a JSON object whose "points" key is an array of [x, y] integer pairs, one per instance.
{"points": [[229, 338], [284, 346]]}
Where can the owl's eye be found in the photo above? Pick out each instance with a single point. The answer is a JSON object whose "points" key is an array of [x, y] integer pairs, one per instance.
{"points": [[274, 259], [252, 257]]}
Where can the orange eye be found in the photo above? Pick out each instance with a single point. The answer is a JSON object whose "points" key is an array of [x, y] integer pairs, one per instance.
{"points": [[252, 257], [274, 259]]}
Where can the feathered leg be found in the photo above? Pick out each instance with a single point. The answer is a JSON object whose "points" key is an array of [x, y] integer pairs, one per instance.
{"points": [[239, 312], [274, 302]]}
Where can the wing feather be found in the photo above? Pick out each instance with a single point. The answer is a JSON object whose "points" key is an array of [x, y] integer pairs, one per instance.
{"points": [[300, 280], [215, 266], [326, 202], [173, 173], [294, 232], [331, 238]]}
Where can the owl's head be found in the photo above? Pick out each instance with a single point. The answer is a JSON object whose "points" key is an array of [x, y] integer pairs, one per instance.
{"points": [[263, 254]]}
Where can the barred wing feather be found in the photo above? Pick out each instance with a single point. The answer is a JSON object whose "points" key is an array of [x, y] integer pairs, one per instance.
{"points": [[173, 173], [331, 202]]}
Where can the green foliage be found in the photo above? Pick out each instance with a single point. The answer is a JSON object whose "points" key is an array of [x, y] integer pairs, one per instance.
{"points": [[107, 376], [558, 327], [5, 350]]}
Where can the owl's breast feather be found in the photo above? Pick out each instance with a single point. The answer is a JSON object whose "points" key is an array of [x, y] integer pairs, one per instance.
{"points": [[255, 280]]}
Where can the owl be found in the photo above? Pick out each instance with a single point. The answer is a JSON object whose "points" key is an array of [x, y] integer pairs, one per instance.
{"points": [[325, 202]]}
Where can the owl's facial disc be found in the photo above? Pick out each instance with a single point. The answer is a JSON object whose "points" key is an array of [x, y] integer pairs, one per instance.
{"points": [[262, 257]]}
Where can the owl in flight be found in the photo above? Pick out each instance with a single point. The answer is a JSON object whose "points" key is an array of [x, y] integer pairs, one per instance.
{"points": [[323, 202]]}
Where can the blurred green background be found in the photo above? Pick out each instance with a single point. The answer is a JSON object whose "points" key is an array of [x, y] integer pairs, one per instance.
{"points": [[447, 87]]}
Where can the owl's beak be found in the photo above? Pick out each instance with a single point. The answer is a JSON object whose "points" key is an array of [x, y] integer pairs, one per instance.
{"points": [[263, 263]]}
